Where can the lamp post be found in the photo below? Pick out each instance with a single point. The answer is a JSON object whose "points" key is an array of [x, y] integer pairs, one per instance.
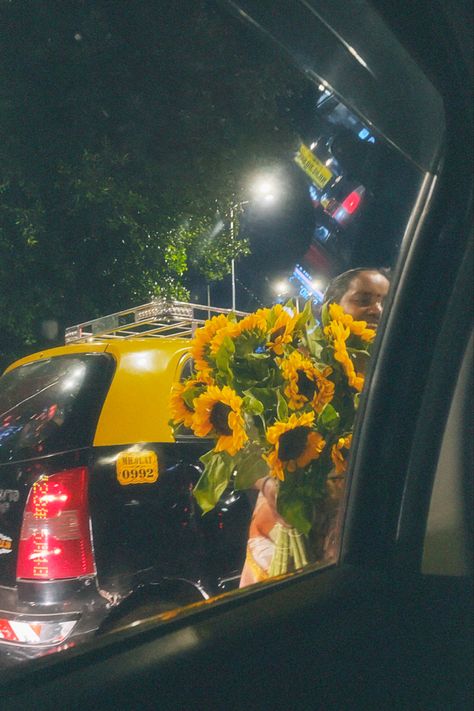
{"points": [[264, 190], [233, 214]]}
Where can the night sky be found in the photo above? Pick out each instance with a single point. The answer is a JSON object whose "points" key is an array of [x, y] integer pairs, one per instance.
{"points": [[128, 127]]}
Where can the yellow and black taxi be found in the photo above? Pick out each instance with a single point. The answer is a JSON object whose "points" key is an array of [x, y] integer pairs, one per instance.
{"points": [[97, 518]]}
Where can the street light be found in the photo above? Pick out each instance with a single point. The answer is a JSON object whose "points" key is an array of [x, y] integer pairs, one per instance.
{"points": [[284, 288], [265, 190]]}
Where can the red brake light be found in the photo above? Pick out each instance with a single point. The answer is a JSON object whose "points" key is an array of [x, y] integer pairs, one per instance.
{"points": [[344, 212], [55, 539], [352, 202]]}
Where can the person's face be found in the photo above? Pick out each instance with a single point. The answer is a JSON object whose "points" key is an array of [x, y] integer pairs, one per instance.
{"points": [[365, 296]]}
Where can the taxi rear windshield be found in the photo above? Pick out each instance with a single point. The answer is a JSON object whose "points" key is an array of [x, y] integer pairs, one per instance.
{"points": [[52, 405]]}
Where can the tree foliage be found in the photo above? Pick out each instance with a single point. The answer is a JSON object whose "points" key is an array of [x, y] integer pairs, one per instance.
{"points": [[124, 128]]}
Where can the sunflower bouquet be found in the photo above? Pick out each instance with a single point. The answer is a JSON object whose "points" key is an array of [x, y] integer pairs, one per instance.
{"points": [[276, 394]]}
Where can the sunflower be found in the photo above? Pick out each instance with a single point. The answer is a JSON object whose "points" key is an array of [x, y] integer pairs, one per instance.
{"points": [[253, 322], [219, 411], [181, 410], [339, 334], [305, 383], [202, 338], [229, 331], [254, 325], [296, 444], [339, 453], [337, 331], [358, 328], [282, 330]]}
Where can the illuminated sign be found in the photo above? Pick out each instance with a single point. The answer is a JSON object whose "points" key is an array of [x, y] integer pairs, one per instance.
{"points": [[307, 288], [317, 171], [40, 535]]}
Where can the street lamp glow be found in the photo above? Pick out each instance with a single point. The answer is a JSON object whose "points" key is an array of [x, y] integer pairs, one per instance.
{"points": [[281, 287], [265, 188], [269, 198]]}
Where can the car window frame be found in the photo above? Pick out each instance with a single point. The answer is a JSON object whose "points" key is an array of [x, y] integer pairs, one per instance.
{"points": [[424, 226], [446, 548]]}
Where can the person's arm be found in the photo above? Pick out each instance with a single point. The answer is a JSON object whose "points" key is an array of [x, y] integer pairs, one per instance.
{"points": [[268, 487]]}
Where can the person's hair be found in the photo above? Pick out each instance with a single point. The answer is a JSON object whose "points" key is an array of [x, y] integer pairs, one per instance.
{"points": [[340, 284]]}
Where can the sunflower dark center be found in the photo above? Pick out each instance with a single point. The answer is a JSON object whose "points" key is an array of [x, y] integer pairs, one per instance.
{"points": [[276, 334], [218, 418], [306, 386], [292, 443]]}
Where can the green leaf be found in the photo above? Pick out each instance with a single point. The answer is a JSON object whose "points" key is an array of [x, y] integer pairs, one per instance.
{"points": [[315, 340], [329, 417], [247, 343], [223, 357], [268, 396], [218, 467], [282, 407], [192, 393], [295, 509], [257, 356], [249, 467], [254, 366], [251, 404], [325, 319], [305, 317]]}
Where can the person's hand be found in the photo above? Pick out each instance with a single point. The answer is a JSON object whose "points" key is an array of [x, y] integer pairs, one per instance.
{"points": [[268, 487]]}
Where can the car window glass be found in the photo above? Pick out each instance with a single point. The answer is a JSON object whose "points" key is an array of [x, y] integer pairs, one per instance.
{"points": [[50, 405], [186, 370], [193, 159]]}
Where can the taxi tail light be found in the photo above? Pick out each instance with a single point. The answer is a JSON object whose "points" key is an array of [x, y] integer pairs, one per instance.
{"points": [[352, 201], [349, 206], [55, 538]]}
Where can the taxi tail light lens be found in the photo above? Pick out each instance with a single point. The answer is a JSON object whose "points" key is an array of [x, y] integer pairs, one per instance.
{"points": [[35, 631], [352, 202], [349, 206], [55, 538]]}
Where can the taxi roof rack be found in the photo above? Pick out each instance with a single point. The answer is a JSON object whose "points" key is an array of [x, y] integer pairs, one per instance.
{"points": [[160, 318]]}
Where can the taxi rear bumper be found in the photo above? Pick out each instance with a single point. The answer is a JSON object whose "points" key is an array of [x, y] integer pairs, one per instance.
{"points": [[32, 628]]}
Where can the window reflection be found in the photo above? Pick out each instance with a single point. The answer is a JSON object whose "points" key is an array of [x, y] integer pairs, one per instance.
{"points": [[182, 111]]}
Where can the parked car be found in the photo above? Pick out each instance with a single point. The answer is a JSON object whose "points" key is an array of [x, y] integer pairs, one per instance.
{"points": [[97, 516]]}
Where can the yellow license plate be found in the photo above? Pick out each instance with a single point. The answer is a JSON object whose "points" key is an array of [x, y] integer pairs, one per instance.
{"points": [[317, 171], [137, 468]]}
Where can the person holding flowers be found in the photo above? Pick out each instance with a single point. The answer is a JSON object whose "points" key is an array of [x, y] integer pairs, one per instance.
{"points": [[277, 394]]}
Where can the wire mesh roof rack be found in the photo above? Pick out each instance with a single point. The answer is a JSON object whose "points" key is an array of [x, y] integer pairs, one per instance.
{"points": [[160, 318]]}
